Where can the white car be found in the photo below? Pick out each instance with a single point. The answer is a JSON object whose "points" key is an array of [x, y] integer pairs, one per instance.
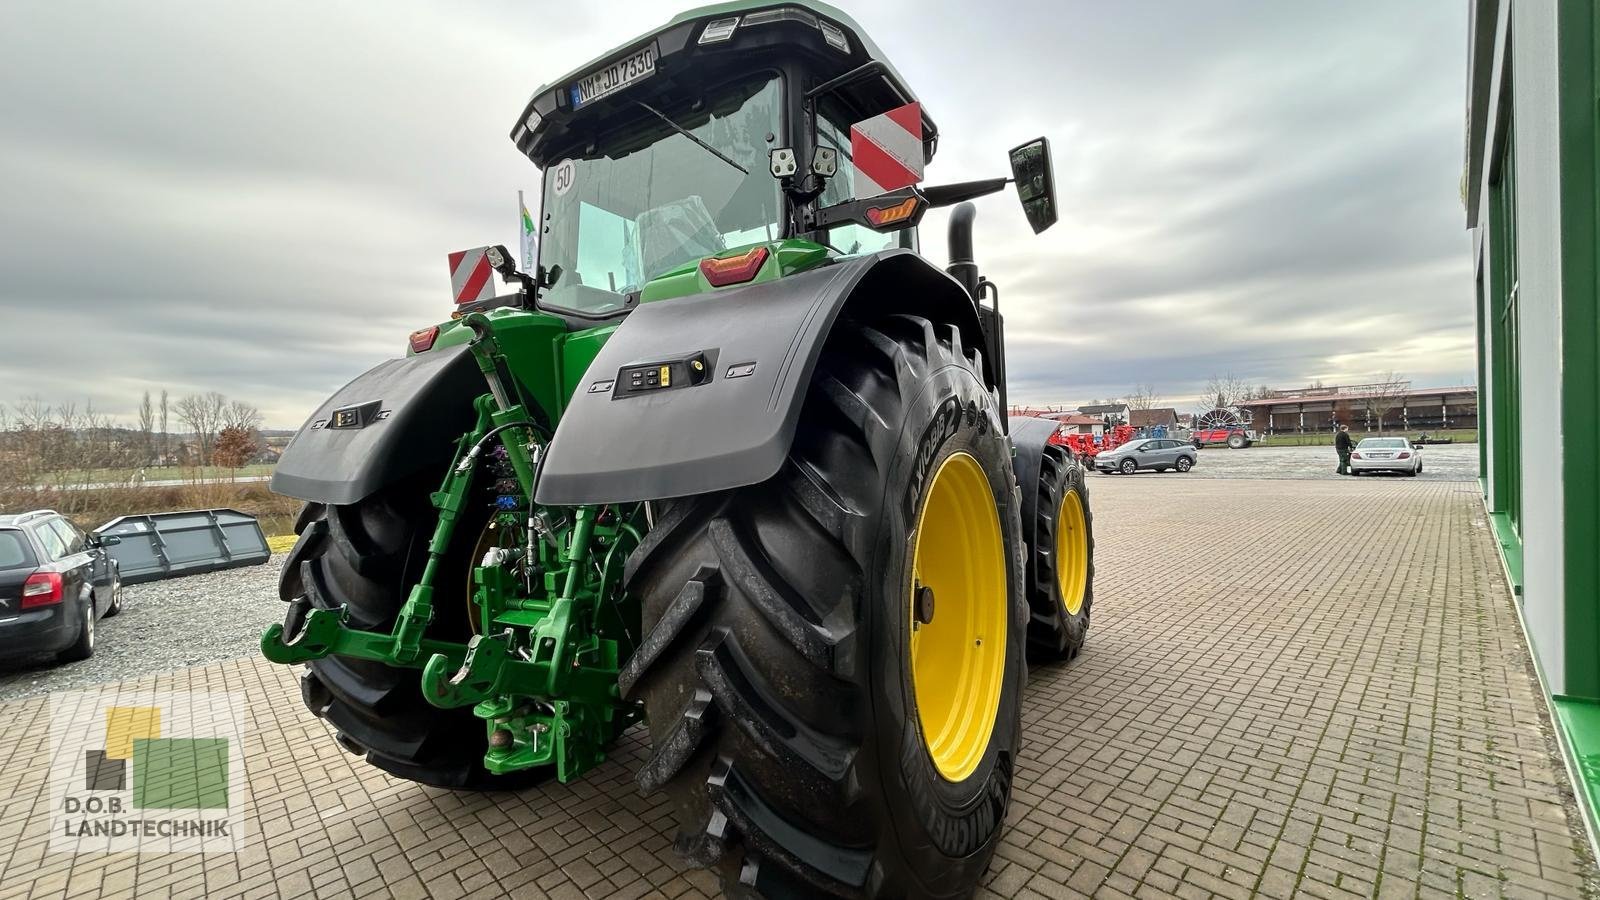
{"points": [[1386, 454]]}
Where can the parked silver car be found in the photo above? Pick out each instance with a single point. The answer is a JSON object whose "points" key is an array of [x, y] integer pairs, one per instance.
{"points": [[1156, 454], [1386, 454]]}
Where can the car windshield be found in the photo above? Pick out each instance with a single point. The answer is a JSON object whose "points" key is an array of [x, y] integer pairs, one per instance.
{"points": [[1383, 443], [14, 552], [643, 198]]}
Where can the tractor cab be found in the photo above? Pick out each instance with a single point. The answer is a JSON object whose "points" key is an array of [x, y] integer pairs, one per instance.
{"points": [[728, 127]]}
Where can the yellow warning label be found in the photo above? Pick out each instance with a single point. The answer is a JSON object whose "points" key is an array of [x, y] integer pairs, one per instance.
{"points": [[666, 376]]}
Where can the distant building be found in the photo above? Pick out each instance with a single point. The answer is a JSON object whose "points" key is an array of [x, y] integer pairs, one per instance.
{"points": [[1109, 413], [1532, 141], [1401, 408], [1074, 423], [1161, 416]]}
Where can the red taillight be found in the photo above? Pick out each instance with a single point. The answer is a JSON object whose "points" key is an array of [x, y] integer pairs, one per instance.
{"points": [[423, 338], [889, 215], [41, 589], [1403, 456], [734, 269], [1355, 456]]}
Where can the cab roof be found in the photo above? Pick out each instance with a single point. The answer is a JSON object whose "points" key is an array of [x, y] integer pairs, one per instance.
{"points": [[679, 37]]}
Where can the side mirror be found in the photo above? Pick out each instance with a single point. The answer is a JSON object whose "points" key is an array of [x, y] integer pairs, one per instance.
{"points": [[107, 540], [1036, 183]]}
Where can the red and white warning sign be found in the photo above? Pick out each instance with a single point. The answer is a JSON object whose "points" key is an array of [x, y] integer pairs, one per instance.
{"points": [[887, 151], [471, 276]]}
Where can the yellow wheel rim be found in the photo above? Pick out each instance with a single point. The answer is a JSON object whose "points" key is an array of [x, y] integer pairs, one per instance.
{"points": [[958, 654], [1072, 552]]}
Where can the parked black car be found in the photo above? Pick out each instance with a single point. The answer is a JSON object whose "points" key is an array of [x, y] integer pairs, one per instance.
{"points": [[55, 581]]}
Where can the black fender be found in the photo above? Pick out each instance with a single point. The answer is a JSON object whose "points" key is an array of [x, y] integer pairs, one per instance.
{"points": [[1029, 436], [404, 415], [760, 345]]}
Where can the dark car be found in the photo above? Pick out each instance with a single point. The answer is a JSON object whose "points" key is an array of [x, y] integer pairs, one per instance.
{"points": [[55, 581]]}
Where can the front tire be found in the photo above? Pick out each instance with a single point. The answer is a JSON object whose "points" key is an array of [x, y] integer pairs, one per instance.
{"points": [[1128, 467], [364, 557], [1184, 464], [796, 718]]}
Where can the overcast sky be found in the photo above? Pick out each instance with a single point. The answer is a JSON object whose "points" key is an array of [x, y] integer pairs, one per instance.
{"points": [[258, 198]]}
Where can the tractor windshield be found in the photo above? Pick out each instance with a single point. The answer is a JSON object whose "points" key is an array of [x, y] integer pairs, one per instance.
{"points": [[642, 198]]}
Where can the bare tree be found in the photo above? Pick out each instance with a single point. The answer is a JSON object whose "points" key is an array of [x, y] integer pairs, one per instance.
{"points": [[203, 415], [1143, 396], [147, 427], [164, 448], [1382, 397], [242, 415], [1225, 391]]}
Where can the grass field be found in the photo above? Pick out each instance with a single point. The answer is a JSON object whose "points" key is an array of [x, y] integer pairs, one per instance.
{"points": [[155, 473], [1458, 435]]}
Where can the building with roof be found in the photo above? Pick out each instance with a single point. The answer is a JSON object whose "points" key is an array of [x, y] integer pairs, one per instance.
{"points": [[1108, 413], [1532, 191], [1159, 417], [1390, 406]]}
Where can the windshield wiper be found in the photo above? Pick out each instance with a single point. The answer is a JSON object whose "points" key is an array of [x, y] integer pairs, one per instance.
{"points": [[681, 130]]}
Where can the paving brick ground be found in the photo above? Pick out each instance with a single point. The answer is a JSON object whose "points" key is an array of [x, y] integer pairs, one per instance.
{"points": [[1291, 689]]}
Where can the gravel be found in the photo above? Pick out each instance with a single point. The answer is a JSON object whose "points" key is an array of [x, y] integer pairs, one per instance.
{"points": [[164, 625]]}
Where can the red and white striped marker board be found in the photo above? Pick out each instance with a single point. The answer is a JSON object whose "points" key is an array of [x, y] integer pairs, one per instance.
{"points": [[471, 276], [887, 151]]}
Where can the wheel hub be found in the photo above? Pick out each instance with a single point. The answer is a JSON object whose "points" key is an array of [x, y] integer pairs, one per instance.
{"points": [[958, 659]]}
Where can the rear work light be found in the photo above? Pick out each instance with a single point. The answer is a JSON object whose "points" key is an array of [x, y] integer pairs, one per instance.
{"points": [[718, 30], [422, 339], [41, 589], [734, 269], [889, 215]]}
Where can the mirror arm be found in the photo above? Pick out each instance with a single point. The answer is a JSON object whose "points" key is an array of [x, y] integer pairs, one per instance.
{"points": [[947, 194]]}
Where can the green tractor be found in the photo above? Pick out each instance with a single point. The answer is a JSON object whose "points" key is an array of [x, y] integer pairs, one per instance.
{"points": [[731, 461]]}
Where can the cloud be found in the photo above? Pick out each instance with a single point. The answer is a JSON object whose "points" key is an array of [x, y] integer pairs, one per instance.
{"points": [[258, 199]]}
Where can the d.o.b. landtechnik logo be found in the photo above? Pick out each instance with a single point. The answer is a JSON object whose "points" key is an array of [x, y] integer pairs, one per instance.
{"points": [[150, 772]]}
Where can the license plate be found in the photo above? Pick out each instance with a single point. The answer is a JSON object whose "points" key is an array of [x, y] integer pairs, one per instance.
{"points": [[614, 77]]}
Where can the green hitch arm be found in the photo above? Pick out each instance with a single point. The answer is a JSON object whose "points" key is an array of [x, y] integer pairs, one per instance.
{"points": [[325, 634]]}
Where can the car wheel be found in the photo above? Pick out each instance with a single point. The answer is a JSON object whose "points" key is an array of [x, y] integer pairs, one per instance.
{"points": [[83, 647], [116, 601], [1185, 464], [1237, 442], [1128, 467]]}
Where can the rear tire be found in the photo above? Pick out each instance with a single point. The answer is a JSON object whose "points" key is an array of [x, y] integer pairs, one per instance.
{"points": [[364, 557], [1237, 442], [83, 647], [776, 670], [1060, 574]]}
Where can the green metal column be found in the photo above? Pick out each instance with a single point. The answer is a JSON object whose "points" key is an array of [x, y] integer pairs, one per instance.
{"points": [[1578, 35]]}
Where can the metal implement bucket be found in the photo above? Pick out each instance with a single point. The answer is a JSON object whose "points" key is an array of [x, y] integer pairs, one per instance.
{"points": [[164, 545]]}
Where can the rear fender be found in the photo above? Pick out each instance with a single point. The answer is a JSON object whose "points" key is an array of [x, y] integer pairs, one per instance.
{"points": [[402, 416], [759, 346]]}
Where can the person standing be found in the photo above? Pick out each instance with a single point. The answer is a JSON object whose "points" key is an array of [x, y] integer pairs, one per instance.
{"points": [[1343, 444]]}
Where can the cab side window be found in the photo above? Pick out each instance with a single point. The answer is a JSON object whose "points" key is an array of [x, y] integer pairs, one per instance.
{"points": [[54, 547]]}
